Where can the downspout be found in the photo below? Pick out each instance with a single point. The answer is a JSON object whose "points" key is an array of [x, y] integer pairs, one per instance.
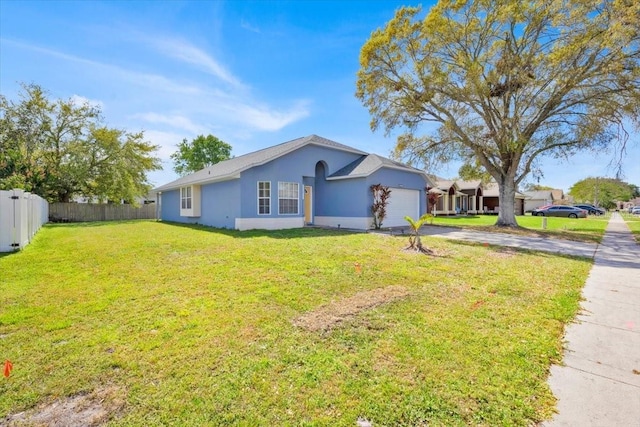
{"points": [[159, 206]]}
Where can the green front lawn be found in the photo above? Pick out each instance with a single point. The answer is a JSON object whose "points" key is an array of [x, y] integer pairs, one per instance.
{"points": [[194, 326], [633, 222], [589, 229]]}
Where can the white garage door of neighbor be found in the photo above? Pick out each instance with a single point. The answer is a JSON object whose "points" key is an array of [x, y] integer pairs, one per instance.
{"points": [[402, 202]]}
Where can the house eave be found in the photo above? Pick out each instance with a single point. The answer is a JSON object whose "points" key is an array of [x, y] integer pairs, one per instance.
{"points": [[340, 178], [364, 175], [236, 173], [291, 150], [197, 182]]}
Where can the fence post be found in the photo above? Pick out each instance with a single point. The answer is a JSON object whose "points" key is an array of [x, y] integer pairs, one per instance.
{"points": [[6, 221], [21, 216]]}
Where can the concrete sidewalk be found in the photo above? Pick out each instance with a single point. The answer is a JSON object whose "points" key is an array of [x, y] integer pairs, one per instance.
{"points": [[599, 384]]}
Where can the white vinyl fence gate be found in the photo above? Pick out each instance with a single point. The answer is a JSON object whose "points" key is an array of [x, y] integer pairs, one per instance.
{"points": [[21, 216]]}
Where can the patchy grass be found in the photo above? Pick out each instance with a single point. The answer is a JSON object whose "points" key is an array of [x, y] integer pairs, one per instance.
{"points": [[633, 222], [195, 326], [589, 229], [82, 410]]}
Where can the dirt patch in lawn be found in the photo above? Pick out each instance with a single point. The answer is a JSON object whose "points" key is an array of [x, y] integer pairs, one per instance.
{"points": [[331, 315], [504, 252], [86, 409]]}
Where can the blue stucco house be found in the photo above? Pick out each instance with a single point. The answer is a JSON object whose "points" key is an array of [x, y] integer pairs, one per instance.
{"points": [[310, 180]]}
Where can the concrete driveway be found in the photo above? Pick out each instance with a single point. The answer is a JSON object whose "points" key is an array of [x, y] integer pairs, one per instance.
{"points": [[566, 247]]}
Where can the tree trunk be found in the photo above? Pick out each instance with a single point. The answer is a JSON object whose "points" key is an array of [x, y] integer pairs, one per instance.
{"points": [[507, 203]]}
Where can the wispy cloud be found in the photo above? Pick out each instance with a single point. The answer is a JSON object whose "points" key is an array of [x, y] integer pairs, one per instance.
{"points": [[244, 24], [154, 81], [267, 119], [186, 52], [199, 105], [173, 120], [168, 141], [78, 100]]}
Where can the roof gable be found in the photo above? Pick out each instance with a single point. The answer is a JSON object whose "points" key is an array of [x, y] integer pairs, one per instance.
{"points": [[446, 184], [557, 194], [230, 169], [469, 185], [492, 190], [369, 164]]}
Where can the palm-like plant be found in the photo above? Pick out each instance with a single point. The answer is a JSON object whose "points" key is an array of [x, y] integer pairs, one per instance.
{"points": [[415, 242]]}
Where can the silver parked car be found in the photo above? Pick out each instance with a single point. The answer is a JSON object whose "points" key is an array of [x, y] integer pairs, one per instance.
{"points": [[560, 210]]}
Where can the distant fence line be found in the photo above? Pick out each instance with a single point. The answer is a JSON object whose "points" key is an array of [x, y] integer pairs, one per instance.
{"points": [[87, 212], [21, 216]]}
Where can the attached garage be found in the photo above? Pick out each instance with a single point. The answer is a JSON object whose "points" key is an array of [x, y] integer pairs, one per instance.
{"points": [[402, 202], [308, 180]]}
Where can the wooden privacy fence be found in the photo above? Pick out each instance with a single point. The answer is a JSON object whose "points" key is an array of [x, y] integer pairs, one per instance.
{"points": [[21, 216], [87, 212]]}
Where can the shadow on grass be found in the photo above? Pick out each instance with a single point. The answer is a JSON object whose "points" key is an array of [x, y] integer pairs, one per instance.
{"points": [[583, 235], [304, 232], [95, 223], [292, 233], [7, 254], [462, 217]]}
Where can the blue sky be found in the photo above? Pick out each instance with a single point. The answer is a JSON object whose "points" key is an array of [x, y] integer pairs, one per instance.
{"points": [[252, 73]]}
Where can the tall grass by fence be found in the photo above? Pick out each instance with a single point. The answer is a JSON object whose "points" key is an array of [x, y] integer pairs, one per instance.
{"points": [[87, 212], [21, 216]]}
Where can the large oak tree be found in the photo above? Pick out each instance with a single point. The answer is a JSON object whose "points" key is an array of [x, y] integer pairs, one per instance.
{"points": [[505, 82], [59, 150]]}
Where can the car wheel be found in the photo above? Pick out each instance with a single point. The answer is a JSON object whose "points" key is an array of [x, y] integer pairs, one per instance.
{"points": [[573, 216]]}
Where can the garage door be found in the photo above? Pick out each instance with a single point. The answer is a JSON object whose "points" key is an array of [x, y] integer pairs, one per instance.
{"points": [[402, 202]]}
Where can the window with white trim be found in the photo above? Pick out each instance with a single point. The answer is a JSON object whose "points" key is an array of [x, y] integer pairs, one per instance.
{"points": [[190, 201], [288, 196], [264, 197], [185, 197]]}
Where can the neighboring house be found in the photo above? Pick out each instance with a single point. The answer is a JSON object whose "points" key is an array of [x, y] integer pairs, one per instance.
{"points": [[491, 200], [536, 199], [448, 192], [469, 197], [310, 180], [456, 197], [472, 198], [628, 205], [558, 195]]}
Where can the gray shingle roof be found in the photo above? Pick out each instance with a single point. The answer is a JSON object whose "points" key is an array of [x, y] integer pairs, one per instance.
{"points": [[491, 190], [539, 195], [367, 165], [469, 185], [445, 184], [231, 168]]}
